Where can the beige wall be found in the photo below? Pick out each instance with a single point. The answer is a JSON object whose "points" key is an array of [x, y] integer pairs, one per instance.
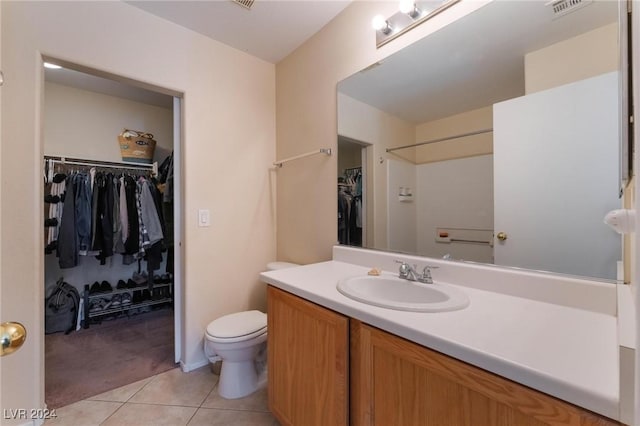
{"points": [[306, 120], [587, 55], [84, 124], [466, 122], [225, 161]]}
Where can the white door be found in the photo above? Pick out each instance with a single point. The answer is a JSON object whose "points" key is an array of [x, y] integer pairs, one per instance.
{"points": [[556, 176], [22, 233]]}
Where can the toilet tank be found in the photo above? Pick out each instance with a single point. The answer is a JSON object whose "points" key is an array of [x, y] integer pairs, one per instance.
{"points": [[272, 266]]}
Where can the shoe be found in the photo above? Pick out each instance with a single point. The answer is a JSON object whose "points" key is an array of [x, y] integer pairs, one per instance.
{"points": [[131, 283], [116, 300], [126, 299], [99, 304], [96, 305], [105, 287], [146, 295], [140, 278], [137, 296], [121, 285], [95, 288]]}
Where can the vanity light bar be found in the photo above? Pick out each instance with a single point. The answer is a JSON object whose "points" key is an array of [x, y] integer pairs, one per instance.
{"points": [[400, 22]]}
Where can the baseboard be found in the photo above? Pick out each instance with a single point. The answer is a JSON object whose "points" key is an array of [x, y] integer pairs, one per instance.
{"points": [[193, 366]]}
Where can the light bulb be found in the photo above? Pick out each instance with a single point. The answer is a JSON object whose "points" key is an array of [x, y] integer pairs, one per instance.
{"points": [[378, 22], [407, 6]]}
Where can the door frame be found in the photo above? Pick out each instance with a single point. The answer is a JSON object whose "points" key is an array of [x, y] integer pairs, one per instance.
{"points": [[178, 125]]}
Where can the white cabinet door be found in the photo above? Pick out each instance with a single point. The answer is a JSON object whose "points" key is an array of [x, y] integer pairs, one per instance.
{"points": [[556, 176]]}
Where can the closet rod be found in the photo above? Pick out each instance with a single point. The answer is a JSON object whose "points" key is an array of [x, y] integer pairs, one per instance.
{"points": [[477, 132], [107, 164], [320, 151]]}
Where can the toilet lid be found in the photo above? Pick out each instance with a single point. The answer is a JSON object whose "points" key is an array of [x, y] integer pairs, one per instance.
{"points": [[238, 325]]}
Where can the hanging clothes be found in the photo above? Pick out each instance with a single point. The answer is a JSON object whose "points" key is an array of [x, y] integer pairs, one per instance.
{"points": [[54, 203], [132, 243], [165, 185], [350, 207], [67, 250], [104, 215], [344, 206], [83, 211]]}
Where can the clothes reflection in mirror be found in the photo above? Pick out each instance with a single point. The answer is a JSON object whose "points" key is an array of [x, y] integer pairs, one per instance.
{"points": [[350, 207]]}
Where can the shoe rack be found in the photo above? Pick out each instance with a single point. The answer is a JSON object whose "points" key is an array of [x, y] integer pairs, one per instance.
{"points": [[133, 299]]}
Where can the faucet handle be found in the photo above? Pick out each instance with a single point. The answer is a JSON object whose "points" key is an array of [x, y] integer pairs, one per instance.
{"points": [[404, 268], [426, 274]]}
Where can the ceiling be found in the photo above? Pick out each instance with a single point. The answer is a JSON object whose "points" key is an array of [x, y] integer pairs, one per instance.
{"points": [[466, 65], [474, 62], [92, 83], [270, 30]]}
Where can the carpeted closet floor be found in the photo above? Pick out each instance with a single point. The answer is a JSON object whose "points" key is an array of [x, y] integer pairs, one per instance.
{"points": [[107, 356]]}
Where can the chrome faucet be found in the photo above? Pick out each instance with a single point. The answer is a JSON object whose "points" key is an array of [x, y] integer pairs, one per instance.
{"points": [[409, 273]]}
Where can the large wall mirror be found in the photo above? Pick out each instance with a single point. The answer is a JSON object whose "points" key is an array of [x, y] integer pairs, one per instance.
{"points": [[496, 139]]}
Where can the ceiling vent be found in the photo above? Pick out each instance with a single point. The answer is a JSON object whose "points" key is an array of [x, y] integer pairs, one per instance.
{"points": [[244, 3], [562, 7]]}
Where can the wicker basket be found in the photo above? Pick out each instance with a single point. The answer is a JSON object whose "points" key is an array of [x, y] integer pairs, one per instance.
{"points": [[136, 146]]}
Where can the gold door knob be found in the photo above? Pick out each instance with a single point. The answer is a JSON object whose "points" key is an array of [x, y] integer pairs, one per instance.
{"points": [[12, 336], [502, 236]]}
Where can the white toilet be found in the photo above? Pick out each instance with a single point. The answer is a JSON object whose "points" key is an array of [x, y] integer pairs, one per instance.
{"points": [[237, 339]]}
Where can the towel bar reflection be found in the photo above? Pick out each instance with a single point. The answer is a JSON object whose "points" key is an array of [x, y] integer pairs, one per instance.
{"points": [[320, 151]]}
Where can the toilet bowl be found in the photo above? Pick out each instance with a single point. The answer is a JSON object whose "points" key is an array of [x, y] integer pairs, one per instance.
{"points": [[239, 341]]}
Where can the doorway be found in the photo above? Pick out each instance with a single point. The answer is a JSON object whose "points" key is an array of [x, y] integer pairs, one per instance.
{"points": [[128, 320], [352, 192]]}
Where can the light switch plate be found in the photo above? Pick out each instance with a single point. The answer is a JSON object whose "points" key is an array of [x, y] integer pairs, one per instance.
{"points": [[204, 218]]}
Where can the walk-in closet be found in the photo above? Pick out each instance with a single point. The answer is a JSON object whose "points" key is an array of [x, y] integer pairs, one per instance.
{"points": [[110, 196], [351, 192]]}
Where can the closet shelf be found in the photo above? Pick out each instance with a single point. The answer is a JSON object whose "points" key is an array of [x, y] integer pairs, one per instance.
{"points": [[127, 290], [129, 307]]}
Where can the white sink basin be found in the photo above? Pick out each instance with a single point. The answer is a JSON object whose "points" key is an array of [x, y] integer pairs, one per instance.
{"points": [[389, 291]]}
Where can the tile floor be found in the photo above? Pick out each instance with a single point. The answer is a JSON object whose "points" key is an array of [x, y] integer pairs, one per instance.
{"points": [[170, 398]]}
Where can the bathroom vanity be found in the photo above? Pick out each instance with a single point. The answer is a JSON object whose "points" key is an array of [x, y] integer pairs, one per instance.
{"points": [[518, 354]]}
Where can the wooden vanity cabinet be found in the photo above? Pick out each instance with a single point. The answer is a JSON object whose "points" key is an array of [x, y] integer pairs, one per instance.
{"points": [[326, 369], [397, 382], [308, 362]]}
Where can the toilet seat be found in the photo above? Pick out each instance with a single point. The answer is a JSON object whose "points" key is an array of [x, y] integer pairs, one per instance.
{"points": [[237, 327]]}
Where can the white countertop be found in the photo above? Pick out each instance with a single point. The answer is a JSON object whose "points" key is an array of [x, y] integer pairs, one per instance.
{"points": [[567, 352]]}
